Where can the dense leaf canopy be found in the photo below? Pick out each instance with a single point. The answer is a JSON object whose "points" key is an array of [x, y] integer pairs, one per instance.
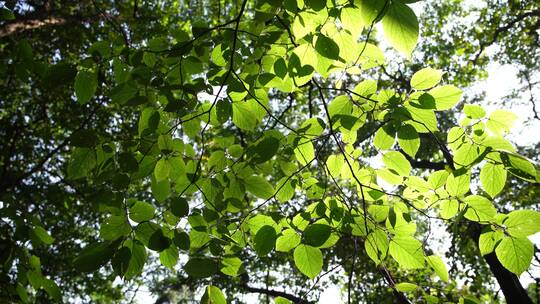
{"points": [[215, 148]]}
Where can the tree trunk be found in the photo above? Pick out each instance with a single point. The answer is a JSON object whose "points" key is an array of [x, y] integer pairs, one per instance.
{"points": [[513, 291], [24, 25]]}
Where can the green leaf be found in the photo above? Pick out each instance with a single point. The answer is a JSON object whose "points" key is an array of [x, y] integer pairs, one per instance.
{"points": [[376, 245], [334, 163], [149, 59], [231, 266], [52, 289], [474, 111], [397, 162], [223, 111], [201, 267], [493, 178], [83, 160], [181, 240], [438, 179], [85, 85], [128, 162], [92, 257], [466, 154], [217, 56], [341, 105], [316, 5], [148, 121], [165, 142], [326, 47], [214, 296], [217, 160], [409, 140], [446, 96], [487, 241], [141, 211], [379, 212], [479, 208], [179, 206], [169, 257], [316, 234], [259, 187], [285, 189], [137, 100], [130, 259], [158, 241], [152, 236], [458, 185], [515, 254], [519, 166], [308, 56], [35, 278], [436, 262], [265, 240], [384, 138], [351, 19], [426, 78], [124, 92], [304, 152], [158, 44], [5, 15], [501, 121], [424, 120], [499, 143], [258, 221], [121, 259], [308, 260], [160, 189], [161, 171], [280, 300], [313, 126], [522, 223], [43, 235], [401, 27], [114, 227], [389, 176], [287, 241], [22, 293], [84, 138], [407, 251], [371, 10], [243, 116], [266, 149], [449, 208], [406, 287]]}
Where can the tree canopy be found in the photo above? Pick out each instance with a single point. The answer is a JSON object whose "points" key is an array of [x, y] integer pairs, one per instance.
{"points": [[210, 149]]}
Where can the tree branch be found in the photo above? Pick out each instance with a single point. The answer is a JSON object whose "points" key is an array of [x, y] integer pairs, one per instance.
{"points": [[43, 19], [502, 29], [275, 293], [25, 25], [511, 287], [390, 281], [423, 164]]}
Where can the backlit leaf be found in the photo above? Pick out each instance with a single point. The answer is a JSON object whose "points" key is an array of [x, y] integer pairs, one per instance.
{"points": [[426, 78], [407, 251], [309, 260], [515, 254], [401, 27]]}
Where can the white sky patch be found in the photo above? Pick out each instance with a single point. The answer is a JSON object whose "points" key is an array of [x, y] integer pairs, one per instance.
{"points": [[501, 81]]}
